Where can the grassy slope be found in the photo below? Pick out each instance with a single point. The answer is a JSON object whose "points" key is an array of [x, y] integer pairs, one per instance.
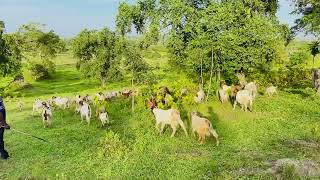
{"points": [[248, 140]]}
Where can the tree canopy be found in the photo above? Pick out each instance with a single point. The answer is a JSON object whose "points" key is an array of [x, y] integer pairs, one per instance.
{"points": [[10, 55], [310, 16], [240, 34], [102, 53], [38, 42]]}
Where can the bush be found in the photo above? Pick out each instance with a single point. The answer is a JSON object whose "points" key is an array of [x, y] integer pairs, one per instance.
{"points": [[300, 58], [39, 70], [13, 90], [289, 77], [112, 146]]}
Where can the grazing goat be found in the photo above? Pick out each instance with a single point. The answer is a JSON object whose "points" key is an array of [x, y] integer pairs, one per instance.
{"points": [[111, 95], [37, 106], [200, 96], [127, 93], [164, 117], [252, 88], [242, 79], [88, 99], [85, 111], [101, 96], [203, 127], [103, 116], [245, 99], [61, 102], [78, 99], [234, 90], [271, 91], [223, 95], [46, 115]]}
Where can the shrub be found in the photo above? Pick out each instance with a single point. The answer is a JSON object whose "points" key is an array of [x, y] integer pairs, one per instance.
{"points": [[300, 58], [289, 77], [13, 90], [112, 146], [39, 72]]}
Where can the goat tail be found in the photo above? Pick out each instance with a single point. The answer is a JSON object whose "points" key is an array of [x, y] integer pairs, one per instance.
{"points": [[183, 127], [213, 132]]}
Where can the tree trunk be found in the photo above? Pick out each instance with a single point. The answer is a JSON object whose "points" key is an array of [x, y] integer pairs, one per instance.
{"points": [[132, 95], [313, 62], [103, 82], [211, 74]]}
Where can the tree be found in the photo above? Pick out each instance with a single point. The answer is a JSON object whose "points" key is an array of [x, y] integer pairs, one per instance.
{"points": [[229, 35], [315, 50], [135, 65], [98, 54], [10, 55], [310, 15], [39, 43]]}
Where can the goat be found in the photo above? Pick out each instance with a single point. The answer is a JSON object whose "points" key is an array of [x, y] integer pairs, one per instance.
{"points": [[203, 127], [61, 102], [223, 95], [252, 88], [37, 106], [46, 115], [164, 117], [127, 93], [271, 91], [85, 111], [200, 96], [103, 116], [245, 99], [77, 101]]}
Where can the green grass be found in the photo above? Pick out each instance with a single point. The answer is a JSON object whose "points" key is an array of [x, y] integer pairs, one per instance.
{"points": [[131, 148]]}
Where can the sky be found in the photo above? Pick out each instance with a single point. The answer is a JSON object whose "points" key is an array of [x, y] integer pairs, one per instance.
{"points": [[69, 17]]}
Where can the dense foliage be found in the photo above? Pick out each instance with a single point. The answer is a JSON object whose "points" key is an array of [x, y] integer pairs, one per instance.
{"points": [[226, 36], [10, 54], [100, 55], [97, 52], [310, 15]]}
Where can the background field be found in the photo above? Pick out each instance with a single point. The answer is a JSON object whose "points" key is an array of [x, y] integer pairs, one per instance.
{"points": [[279, 127]]}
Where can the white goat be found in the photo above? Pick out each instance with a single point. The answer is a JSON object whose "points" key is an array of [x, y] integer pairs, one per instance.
{"points": [[61, 102], [223, 95], [164, 117], [77, 101], [200, 96], [252, 88], [37, 106], [100, 96], [104, 118], [271, 91], [85, 111], [245, 99], [203, 127]]}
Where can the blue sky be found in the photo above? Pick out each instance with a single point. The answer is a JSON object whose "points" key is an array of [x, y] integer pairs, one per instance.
{"points": [[68, 17]]}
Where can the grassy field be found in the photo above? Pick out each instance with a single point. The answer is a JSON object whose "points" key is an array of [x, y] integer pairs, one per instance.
{"points": [[284, 126]]}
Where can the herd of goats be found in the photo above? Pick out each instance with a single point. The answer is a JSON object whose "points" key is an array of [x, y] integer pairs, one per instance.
{"points": [[243, 94]]}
